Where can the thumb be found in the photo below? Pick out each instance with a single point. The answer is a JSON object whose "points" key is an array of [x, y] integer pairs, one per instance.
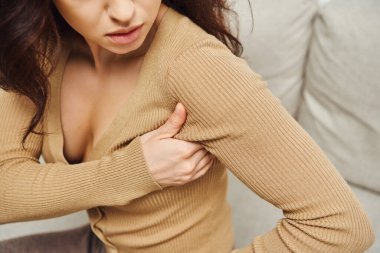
{"points": [[174, 123]]}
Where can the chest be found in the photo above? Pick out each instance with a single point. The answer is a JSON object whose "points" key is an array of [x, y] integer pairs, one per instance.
{"points": [[89, 104]]}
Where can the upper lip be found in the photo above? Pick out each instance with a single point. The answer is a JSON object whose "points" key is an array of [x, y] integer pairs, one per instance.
{"points": [[124, 30]]}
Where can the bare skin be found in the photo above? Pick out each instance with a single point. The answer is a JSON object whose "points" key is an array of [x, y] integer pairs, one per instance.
{"points": [[177, 162], [93, 90], [171, 162]]}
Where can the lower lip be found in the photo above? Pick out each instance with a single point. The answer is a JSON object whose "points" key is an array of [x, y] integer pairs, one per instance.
{"points": [[124, 38]]}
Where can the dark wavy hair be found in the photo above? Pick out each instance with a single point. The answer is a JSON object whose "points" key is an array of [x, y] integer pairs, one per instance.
{"points": [[32, 32]]}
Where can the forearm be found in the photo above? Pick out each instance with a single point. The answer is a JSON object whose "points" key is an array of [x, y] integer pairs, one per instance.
{"points": [[30, 190]]}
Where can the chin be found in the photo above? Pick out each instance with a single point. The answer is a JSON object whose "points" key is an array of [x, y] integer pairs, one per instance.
{"points": [[124, 49]]}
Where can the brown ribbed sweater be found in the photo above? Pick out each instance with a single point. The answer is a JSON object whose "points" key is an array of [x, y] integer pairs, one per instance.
{"points": [[231, 113]]}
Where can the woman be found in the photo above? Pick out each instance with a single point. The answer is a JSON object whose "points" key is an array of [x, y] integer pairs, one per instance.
{"points": [[123, 67]]}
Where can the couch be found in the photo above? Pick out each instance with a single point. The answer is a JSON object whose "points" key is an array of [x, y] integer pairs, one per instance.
{"points": [[322, 59]]}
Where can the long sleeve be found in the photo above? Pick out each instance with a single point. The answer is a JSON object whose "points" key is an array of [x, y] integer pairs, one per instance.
{"points": [[233, 114], [30, 190]]}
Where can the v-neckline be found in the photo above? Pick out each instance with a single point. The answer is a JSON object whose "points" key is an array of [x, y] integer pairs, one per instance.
{"points": [[116, 124]]}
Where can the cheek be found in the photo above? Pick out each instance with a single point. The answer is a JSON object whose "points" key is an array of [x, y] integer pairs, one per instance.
{"points": [[83, 19], [84, 25], [151, 7]]}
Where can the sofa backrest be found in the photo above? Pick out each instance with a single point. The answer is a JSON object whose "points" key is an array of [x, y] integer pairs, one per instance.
{"points": [[278, 45], [341, 103], [322, 59]]}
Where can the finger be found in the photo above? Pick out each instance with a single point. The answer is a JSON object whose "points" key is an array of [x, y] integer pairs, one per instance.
{"points": [[197, 157], [202, 162], [190, 149], [174, 122], [203, 169]]}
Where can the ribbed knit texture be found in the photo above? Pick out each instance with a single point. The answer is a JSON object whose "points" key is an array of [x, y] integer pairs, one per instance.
{"points": [[232, 113]]}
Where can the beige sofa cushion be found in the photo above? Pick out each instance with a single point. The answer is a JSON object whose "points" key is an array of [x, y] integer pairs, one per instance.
{"points": [[341, 108], [277, 47]]}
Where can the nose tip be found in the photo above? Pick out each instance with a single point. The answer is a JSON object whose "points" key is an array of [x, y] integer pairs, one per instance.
{"points": [[121, 10]]}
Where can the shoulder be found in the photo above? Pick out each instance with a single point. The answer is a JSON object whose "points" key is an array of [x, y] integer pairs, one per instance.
{"points": [[183, 37]]}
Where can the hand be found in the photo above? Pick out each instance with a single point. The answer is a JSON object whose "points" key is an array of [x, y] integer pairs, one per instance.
{"points": [[174, 162]]}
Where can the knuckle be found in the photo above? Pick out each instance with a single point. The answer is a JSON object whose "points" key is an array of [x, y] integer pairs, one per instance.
{"points": [[188, 168], [182, 152], [177, 183], [193, 146], [186, 178], [203, 172], [187, 152]]}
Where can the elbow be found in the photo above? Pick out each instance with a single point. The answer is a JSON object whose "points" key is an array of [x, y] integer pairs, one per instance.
{"points": [[351, 231], [360, 235], [345, 230]]}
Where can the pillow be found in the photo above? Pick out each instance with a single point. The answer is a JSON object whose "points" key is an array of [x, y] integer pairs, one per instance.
{"points": [[341, 107], [278, 45]]}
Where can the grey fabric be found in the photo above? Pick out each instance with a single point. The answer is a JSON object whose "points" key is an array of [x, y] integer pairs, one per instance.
{"points": [[337, 44], [251, 215], [278, 45], [78, 240], [341, 108]]}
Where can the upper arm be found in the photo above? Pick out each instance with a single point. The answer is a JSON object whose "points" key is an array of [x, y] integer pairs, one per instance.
{"points": [[231, 111]]}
